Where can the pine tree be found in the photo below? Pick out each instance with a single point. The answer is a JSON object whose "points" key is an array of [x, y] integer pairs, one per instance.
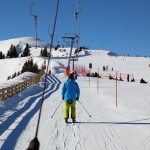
{"points": [[1, 55], [44, 52], [9, 53], [18, 73], [30, 66], [9, 77], [41, 53], [25, 67], [35, 68], [26, 51], [14, 52], [14, 75]]}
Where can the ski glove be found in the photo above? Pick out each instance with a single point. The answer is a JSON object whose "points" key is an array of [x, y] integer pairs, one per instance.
{"points": [[77, 98], [63, 98], [34, 144]]}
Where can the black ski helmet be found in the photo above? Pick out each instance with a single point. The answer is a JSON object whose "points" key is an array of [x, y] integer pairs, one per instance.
{"points": [[71, 76]]}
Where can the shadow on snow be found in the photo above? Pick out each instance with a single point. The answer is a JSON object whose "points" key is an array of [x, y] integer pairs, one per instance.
{"points": [[14, 135], [118, 123]]}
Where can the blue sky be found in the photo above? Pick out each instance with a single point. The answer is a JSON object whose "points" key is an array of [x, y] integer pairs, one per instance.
{"points": [[122, 26]]}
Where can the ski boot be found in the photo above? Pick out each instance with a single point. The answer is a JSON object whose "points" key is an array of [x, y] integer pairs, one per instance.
{"points": [[73, 120], [66, 120]]}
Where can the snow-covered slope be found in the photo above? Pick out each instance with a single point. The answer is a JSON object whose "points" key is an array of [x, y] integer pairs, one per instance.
{"points": [[10, 66], [125, 127]]}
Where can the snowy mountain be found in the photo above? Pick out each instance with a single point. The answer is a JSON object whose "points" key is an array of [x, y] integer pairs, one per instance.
{"points": [[20, 44], [119, 109]]}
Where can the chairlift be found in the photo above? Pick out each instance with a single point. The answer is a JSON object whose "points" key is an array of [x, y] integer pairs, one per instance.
{"points": [[35, 18], [76, 15]]}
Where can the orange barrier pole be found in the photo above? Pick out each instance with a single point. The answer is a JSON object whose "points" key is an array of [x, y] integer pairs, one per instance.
{"points": [[67, 72]]}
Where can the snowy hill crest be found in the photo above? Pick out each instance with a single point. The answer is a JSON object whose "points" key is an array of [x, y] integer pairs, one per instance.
{"points": [[20, 43]]}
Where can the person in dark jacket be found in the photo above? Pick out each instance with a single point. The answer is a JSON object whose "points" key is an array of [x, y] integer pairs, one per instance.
{"points": [[70, 94], [142, 81]]}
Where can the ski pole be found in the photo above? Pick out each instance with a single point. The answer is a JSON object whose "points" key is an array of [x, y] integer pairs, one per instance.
{"points": [[84, 109], [56, 109]]}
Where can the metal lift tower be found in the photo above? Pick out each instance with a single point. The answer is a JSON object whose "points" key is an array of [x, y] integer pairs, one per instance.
{"points": [[72, 38]]}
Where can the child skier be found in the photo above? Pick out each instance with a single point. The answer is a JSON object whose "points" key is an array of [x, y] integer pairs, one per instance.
{"points": [[70, 94]]}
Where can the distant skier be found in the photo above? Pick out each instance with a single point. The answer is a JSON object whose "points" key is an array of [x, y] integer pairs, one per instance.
{"points": [[103, 68], [120, 79], [142, 81], [110, 77], [133, 80], [107, 68], [70, 94], [128, 77]]}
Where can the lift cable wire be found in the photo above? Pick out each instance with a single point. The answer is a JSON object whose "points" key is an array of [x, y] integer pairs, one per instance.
{"points": [[51, 43]]}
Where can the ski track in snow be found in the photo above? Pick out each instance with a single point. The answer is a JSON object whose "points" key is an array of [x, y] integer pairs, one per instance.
{"points": [[92, 135], [18, 120]]}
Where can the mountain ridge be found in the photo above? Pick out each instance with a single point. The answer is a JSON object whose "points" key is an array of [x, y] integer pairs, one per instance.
{"points": [[22, 41]]}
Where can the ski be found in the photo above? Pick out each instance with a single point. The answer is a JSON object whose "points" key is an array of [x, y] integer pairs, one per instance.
{"points": [[72, 124]]}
